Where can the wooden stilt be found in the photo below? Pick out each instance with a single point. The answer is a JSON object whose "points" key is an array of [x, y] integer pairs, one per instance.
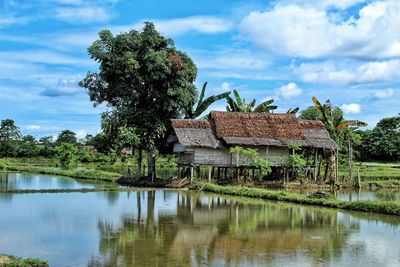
{"points": [[315, 164], [209, 173]]}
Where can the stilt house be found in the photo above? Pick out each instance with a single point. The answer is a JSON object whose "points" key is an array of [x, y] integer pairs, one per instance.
{"points": [[207, 142]]}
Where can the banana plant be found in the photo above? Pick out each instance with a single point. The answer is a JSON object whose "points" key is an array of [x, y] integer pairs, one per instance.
{"points": [[203, 104], [334, 121], [293, 110], [239, 105]]}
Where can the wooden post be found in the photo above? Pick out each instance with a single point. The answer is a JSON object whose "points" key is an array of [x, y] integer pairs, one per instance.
{"points": [[337, 165], [219, 173], [209, 173], [315, 164], [191, 174], [350, 161]]}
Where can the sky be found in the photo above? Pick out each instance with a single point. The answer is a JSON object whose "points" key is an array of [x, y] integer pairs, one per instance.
{"points": [[347, 51]]}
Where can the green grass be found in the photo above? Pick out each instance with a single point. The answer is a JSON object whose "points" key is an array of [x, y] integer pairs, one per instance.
{"points": [[373, 171], [376, 206], [13, 261], [82, 174]]}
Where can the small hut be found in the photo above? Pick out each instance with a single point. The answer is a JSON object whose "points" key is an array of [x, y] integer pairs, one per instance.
{"points": [[207, 142]]}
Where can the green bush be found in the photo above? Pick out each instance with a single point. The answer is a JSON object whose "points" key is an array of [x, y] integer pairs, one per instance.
{"points": [[19, 262]]}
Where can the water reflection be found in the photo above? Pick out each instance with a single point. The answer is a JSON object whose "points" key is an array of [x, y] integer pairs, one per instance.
{"points": [[186, 228], [10, 181], [210, 230]]}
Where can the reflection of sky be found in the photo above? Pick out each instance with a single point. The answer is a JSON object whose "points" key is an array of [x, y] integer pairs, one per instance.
{"points": [[63, 228], [39, 181]]}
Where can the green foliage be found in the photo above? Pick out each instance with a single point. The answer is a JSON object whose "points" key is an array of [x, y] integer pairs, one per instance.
{"points": [[203, 104], [144, 79], [66, 153], [9, 137], [239, 105], [339, 129], [377, 206], [28, 147], [19, 262], [383, 142], [67, 136], [251, 157], [298, 163]]}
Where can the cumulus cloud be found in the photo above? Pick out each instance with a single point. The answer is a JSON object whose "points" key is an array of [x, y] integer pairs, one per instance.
{"points": [[383, 94], [32, 127], [289, 91], [306, 31], [347, 72], [352, 108]]}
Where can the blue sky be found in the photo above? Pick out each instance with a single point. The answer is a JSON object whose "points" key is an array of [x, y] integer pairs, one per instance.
{"points": [[347, 51]]}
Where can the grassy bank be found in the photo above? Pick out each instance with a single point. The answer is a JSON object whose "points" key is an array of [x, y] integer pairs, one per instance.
{"points": [[81, 174], [12, 261], [384, 207]]}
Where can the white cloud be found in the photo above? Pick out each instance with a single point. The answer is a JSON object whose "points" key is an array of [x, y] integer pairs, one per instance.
{"points": [[82, 14], [351, 108], [179, 26], [32, 127], [306, 31], [43, 56], [81, 134], [383, 94], [323, 4], [289, 91], [64, 88], [347, 72], [225, 86]]}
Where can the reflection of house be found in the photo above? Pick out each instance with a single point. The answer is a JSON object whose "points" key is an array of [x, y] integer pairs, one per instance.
{"points": [[207, 142]]}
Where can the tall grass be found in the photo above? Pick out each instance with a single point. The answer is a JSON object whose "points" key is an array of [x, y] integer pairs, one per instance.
{"points": [[376, 206]]}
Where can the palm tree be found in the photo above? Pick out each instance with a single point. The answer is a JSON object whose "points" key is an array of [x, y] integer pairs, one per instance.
{"points": [[239, 105], [203, 104], [336, 126]]}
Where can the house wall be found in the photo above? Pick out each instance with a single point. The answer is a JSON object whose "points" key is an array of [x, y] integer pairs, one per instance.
{"points": [[222, 157]]}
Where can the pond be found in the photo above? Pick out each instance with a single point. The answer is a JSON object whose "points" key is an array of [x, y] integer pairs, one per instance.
{"points": [[383, 194], [11, 181], [188, 228]]}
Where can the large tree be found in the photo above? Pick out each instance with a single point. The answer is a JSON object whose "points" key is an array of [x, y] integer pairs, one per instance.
{"points": [[67, 136], [9, 136], [145, 80], [383, 142]]}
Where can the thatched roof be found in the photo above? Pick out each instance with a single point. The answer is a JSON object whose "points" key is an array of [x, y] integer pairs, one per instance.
{"points": [[317, 135], [255, 129], [252, 129], [195, 133]]}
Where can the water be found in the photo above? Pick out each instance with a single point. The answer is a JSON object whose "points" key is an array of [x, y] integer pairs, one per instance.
{"points": [[383, 194], [187, 228], [11, 181]]}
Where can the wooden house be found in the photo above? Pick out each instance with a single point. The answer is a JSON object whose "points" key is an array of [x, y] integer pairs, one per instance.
{"points": [[207, 142]]}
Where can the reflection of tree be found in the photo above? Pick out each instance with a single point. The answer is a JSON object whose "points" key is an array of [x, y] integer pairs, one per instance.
{"points": [[5, 184], [208, 230]]}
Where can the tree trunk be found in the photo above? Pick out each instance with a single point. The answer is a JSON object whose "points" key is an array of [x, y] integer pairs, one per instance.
{"points": [[139, 162], [151, 162]]}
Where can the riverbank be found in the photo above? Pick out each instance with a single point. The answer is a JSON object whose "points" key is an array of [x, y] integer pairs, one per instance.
{"points": [[384, 207], [12, 261]]}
